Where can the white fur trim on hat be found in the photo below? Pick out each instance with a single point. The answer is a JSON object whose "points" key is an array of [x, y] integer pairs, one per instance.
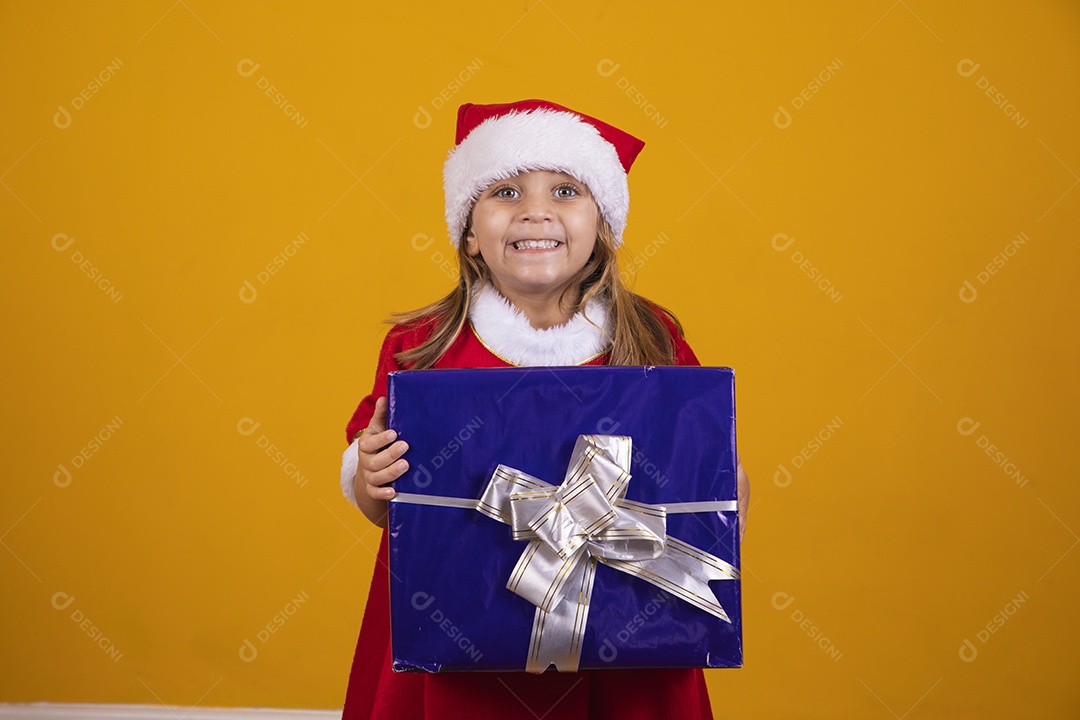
{"points": [[501, 147], [507, 332]]}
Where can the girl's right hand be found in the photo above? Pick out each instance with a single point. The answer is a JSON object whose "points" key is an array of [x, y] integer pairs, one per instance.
{"points": [[380, 463]]}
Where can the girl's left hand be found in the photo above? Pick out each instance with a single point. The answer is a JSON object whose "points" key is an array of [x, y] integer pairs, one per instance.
{"points": [[379, 464], [744, 500]]}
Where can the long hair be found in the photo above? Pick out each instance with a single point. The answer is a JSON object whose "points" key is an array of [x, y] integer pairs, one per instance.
{"points": [[637, 334]]}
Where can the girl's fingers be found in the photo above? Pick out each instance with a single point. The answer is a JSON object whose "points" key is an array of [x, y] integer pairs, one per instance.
{"points": [[744, 499], [372, 442], [380, 493], [380, 456], [375, 435], [376, 481], [378, 420], [384, 458], [390, 473]]}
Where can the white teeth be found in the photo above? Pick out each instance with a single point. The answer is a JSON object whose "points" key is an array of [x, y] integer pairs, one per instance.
{"points": [[535, 244]]}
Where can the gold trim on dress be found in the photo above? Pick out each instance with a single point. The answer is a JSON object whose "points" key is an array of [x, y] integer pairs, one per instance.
{"points": [[514, 364]]}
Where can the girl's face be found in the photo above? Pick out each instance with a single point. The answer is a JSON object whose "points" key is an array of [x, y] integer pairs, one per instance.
{"points": [[535, 231]]}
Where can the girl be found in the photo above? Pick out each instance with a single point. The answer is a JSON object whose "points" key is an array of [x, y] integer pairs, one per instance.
{"points": [[536, 204]]}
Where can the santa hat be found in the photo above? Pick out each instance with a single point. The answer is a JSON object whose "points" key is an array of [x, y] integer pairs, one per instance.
{"points": [[495, 142]]}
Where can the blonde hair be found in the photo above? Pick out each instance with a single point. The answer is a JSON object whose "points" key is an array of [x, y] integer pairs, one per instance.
{"points": [[639, 335]]}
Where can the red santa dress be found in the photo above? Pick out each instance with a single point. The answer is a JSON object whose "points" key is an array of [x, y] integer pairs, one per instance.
{"points": [[500, 336]]}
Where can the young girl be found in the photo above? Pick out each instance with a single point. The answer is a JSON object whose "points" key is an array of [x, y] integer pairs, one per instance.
{"points": [[536, 204]]}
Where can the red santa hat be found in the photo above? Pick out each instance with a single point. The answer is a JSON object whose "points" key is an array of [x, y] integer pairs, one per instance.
{"points": [[495, 142]]}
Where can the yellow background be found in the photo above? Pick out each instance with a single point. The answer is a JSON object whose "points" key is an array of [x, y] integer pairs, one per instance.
{"points": [[179, 180]]}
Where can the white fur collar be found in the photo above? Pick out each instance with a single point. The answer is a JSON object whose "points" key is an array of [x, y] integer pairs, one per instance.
{"points": [[506, 332]]}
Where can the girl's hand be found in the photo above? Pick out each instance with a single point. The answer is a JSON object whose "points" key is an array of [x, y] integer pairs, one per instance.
{"points": [[380, 463], [744, 499]]}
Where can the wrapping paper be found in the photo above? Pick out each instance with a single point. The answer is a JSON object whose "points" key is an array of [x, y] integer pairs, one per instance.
{"points": [[449, 564]]}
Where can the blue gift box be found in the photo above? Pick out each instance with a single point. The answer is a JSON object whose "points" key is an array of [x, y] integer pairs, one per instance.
{"points": [[450, 563]]}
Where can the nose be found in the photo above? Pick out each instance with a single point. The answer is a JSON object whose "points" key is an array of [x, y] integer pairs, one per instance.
{"points": [[535, 207]]}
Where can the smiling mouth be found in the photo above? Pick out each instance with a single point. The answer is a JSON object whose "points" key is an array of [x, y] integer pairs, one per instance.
{"points": [[543, 244]]}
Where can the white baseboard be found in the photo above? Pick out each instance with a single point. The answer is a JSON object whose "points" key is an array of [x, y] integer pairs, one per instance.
{"points": [[95, 711]]}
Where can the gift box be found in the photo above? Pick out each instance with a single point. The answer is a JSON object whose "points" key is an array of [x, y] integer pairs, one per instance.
{"points": [[581, 517]]}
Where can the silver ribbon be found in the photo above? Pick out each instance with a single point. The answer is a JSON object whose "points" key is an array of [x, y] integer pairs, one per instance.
{"points": [[585, 520]]}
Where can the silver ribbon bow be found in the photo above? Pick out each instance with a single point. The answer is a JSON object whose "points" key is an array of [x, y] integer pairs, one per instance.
{"points": [[585, 520]]}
